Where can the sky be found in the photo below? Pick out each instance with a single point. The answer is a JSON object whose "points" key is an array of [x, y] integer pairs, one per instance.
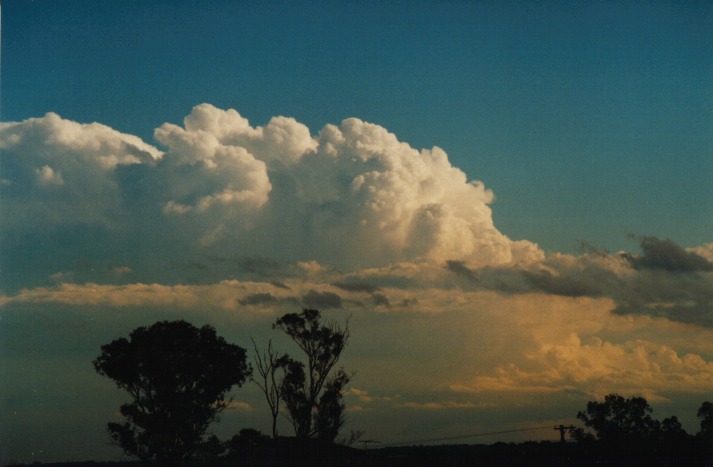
{"points": [[511, 202]]}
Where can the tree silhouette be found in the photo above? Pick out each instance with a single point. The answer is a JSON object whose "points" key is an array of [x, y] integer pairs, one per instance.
{"points": [[620, 420], [314, 399], [177, 376], [247, 447], [299, 408], [705, 413], [330, 414], [671, 428], [627, 434], [705, 435], [272, 369]]}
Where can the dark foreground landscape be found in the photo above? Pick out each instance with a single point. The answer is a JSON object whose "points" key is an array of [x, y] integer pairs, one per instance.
{"points": [[289, 452]]}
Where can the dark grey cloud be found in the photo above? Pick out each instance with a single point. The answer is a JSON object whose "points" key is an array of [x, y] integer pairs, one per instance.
{"points": [[319, 300], [567, 285], [459, 268], [259, 299], [667, 255], [380, 299], [357, 287], [663, 281], [377, 298], [696, 314]]}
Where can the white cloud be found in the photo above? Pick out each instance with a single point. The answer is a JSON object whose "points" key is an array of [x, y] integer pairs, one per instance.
{"points": [[46, 175], [73, 164], [225, 295], [382, 201], [353, 196], [705, 251], [203, 173]]}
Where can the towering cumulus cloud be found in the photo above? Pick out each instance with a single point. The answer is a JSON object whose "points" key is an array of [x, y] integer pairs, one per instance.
{"points": [[56, 171], [389, 201], [352, 196]]}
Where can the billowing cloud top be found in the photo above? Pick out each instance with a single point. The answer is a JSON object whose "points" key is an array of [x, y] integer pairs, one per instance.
{"points": [[56, 171], [352, 196]]}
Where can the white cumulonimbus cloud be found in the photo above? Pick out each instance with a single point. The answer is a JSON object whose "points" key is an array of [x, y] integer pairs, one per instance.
{"points": [[352, 196], [56, 171]]}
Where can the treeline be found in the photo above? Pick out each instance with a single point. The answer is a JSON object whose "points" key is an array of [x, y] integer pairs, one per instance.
{"points": [[617, 432], [624, 430]]}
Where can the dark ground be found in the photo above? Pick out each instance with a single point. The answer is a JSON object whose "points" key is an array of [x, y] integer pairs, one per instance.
{"points": [[288, 452]]}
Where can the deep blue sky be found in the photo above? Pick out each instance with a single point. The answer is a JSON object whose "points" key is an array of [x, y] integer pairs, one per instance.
{"points": [[591, 117]]}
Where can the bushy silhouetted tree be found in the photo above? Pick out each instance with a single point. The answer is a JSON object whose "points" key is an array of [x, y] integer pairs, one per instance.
{"points": [[299, 409], [619, 420], [177, 376], [705, 413], [312, 397], [627, 434], [329, 418], [705, 434]]}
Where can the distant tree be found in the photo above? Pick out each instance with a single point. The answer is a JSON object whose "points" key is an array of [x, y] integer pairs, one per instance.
{"points": [[671, 427], [210, 451], [246, 446], [672, 437], [177, 376], [705, 413], [621, 421], [314, 399], [705, 434]]}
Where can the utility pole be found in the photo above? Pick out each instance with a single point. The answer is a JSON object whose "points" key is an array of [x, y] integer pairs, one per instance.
{"points": [[562, 429]]}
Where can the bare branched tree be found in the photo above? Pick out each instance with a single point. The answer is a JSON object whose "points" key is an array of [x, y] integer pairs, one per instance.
{"points": [[270, 378]]}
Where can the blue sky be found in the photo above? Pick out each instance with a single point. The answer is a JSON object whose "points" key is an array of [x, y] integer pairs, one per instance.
{"points": [[427, 168], [596, 117]]}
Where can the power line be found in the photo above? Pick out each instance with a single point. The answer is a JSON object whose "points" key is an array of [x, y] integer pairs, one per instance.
{"points": [[473, 435]]}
